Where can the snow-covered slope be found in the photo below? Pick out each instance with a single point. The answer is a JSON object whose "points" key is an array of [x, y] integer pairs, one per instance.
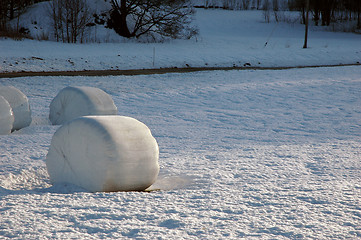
{"points": [[38, 22], [226, 38]]}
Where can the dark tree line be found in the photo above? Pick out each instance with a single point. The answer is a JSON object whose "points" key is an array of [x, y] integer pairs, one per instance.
{"points": [[11, 9], [150, 20], [326, 11]]}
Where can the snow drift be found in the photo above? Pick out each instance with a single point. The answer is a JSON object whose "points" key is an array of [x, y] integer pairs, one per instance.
{"points": [[6, 117], [73, 102], [19, 104], [104, 153]]}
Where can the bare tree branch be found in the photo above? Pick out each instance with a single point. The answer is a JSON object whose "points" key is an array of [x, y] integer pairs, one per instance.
{"points": [[152, 18]]}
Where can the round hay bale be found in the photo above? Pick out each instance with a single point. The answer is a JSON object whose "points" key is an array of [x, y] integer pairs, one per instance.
{"points": [[73, 102], [6, 117], [19, 104], [104, 153]]}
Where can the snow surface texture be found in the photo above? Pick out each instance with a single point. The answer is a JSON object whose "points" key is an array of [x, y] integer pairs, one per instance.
{"points": [[73, 102], [226, 39], [243, 155], [6, 117], [104, 153], [19, 104]]}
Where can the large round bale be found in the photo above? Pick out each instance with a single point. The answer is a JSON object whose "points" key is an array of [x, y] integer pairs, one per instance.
{"points": [[6, 117], [19, 104], [73, 102], [104, 153]]}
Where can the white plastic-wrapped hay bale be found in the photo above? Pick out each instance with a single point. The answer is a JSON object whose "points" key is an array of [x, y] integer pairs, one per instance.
{"points": [[6, 117], [73, 102], [19, 104], [104, 153]]}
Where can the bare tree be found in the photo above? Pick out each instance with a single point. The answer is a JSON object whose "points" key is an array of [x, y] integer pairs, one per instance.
{"points": [[245, 4], [266, 10], [354, 8], [232, 4], [11, 9], [325, 12], [259, 2], [276, 6], [70, 19], [358, 10], [4, 13], [236, 4], [152, 18], [306, 23]]}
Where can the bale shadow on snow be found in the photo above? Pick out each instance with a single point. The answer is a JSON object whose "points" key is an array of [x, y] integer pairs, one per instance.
{"points": [[40, 184]]}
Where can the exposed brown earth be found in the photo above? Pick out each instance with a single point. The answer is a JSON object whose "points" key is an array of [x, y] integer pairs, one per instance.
{"points": [[153, 71]]}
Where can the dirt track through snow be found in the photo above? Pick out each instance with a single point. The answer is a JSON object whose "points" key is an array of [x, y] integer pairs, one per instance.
{"points": [[133, 72]]}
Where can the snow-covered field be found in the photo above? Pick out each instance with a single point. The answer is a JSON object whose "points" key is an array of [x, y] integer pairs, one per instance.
{"points": [[243, 154], [263, 154]]}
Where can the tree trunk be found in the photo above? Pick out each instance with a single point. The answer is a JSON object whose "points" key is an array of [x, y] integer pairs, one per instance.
{"points": [[118, 18], [303, 15], [358, 15], [306, 23], [123, 18], [11, 8], [326, 11], [258, 4]]}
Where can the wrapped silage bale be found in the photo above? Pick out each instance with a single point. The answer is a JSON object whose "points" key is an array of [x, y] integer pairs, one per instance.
{"points": [[6, 117], [73, 102], [104, 153], [19, 104]]}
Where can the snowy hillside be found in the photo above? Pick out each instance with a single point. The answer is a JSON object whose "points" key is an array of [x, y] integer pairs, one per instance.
{"points": [[226, 38]]}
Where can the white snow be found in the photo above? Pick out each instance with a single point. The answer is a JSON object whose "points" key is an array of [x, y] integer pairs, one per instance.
{"points": [[227, 38], [253, 154], [272, 154], [104, 153], [73, 102], [19, 104], [6, 117]]}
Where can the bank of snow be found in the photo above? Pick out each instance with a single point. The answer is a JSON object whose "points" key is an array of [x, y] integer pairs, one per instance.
{"points": [[226, 38]]}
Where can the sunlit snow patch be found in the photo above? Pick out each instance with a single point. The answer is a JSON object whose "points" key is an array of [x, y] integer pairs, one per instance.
{"points": [[170, 183], [104, 153], [73, 102], [26, 179]]}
